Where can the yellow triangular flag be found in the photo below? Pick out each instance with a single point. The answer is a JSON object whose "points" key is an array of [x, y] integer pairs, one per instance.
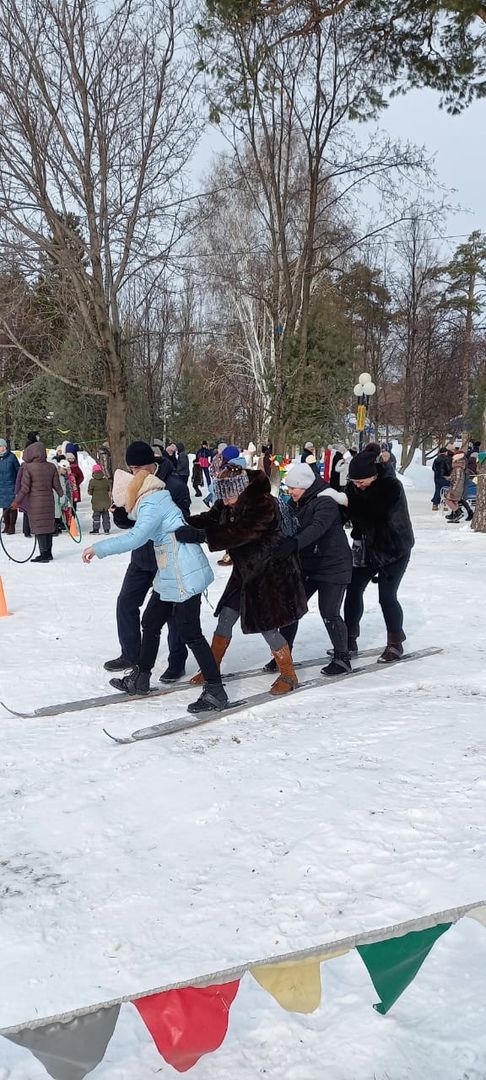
{"points": [[478, 913], [295, 985]]}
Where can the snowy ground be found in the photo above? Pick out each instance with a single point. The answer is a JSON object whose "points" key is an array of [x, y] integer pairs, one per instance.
{"points": [[350, 808]]}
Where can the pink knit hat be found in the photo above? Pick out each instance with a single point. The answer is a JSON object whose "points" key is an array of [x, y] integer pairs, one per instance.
{"points": [[97, 468]]}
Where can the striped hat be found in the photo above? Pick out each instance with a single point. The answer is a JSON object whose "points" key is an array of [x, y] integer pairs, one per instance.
{"points": [[230, 482]]}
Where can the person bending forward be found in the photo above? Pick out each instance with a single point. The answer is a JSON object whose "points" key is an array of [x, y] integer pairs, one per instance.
{"points": [[261, 591], [183, 574]]}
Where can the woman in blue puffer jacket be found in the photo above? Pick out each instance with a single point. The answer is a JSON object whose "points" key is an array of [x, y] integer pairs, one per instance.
{"points": [[183, 573], [9, 468]]}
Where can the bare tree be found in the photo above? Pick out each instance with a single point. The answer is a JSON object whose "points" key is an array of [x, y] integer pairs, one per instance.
{"points": [[423, 339], [96, 125], [285, 109]]}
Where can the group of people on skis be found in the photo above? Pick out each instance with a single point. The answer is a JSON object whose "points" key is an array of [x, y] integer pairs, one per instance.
{"points": [[281, 556]]}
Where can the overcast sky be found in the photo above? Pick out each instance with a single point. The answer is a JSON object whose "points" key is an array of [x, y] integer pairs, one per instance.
{"points": [[459, 145], [457, 142]]}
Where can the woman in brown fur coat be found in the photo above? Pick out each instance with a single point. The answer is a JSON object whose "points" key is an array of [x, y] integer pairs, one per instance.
{"points": [[264, 593]]}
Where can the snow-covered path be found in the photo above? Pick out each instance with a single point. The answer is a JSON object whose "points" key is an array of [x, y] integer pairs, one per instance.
{"points": [[349, 808]]}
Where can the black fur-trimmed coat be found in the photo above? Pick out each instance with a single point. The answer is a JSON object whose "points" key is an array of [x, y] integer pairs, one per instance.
{"points": [[380, 517], [267, 593]]}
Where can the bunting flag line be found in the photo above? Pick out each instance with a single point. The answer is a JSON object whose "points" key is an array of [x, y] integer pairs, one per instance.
{"points": [[185, 1024], [189, 1019], [71, 1051], [478, 913], [296, 986], [393, 964]]}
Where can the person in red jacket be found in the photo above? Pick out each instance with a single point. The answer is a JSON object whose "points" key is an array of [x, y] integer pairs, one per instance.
{"points": [[78, 476]]}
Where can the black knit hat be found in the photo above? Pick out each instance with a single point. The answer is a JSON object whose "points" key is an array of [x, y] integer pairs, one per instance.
{"points": [[363, 465], [140, 453]]}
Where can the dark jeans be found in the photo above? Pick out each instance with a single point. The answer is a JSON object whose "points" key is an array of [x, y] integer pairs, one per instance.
{"points": [[104, 515], [389, 578], [188, 625], [439, 487], [330, 597], [135, 587], [44, 541], [205, 470]]}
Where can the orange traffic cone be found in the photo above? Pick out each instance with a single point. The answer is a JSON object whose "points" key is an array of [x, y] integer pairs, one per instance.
{"points": [[3, 603], [73, 528]]}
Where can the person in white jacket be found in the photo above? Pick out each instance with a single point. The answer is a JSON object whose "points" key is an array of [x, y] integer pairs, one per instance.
{"points": [[250, 455], [342, 468]]}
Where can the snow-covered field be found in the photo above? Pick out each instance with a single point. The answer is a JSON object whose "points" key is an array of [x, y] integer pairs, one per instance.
{"points": [[348, 808]]}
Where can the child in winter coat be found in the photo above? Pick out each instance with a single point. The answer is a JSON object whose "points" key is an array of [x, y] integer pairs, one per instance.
{"points": [[64, 503], [78, 477], [99, 489], [72, 490]]}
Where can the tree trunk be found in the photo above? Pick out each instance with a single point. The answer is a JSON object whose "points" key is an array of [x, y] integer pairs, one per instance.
{"points": [[466, 355], [4, 425], [116, 412], [479, 519], [408, 451]]}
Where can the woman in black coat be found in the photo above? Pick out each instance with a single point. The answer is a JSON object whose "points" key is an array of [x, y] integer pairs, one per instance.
{"points": [[245, 521], [325, 556], [383, 539]]}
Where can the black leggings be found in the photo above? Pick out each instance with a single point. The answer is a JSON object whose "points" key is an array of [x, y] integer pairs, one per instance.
{"points": [[389, 578], [188, 625], [330, 598]]}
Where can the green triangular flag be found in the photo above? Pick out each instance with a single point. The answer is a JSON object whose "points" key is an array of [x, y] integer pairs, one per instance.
{"points": [[393, 964]]}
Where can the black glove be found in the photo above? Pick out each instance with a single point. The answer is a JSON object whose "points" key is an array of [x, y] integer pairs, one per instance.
{"points": [[121, 518], [286, 548], [187, 534]]}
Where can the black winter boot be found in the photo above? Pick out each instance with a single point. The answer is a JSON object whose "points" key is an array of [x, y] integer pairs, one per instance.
{"points": [[119, 664], [169, 676], [137, 682], [340, 665], [212, 699], [271, 667]]}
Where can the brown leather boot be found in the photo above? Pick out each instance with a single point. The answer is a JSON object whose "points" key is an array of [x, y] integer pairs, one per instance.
{"points": [[218, 648], [287, 679], [394, 648]]}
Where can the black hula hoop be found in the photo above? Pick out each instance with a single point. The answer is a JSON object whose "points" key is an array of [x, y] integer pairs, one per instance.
{"points": [[9, 556]]}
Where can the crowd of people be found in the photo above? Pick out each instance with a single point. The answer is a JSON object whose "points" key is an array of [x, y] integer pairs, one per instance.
{"points": [[282, 550], [280, 527]]}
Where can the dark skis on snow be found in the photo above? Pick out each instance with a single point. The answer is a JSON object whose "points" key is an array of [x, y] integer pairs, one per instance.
{"points": [[188, 721], [157, 691]]}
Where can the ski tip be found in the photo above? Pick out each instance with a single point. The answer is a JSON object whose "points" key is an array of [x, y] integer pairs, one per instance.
{"points": [[116, 739], [13, 712]]}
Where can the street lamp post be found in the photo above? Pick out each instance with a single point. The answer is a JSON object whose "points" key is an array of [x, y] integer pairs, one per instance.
{"points": [[363, 391]]}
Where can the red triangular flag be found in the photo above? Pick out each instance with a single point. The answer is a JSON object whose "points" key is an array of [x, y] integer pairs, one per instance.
{"points": [[185, 1024]]}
